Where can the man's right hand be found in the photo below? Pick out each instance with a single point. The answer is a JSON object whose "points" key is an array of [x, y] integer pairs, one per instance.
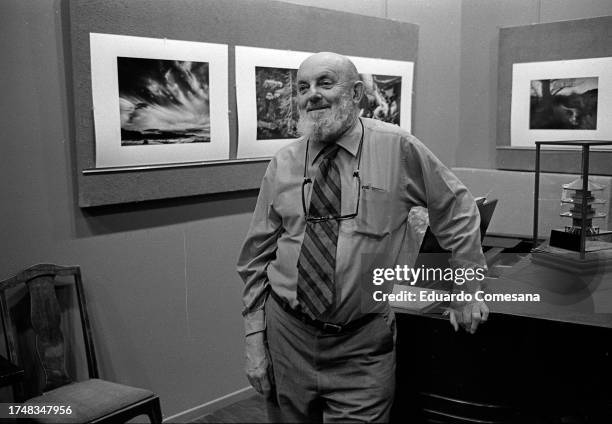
{"points": [[258, 369]]}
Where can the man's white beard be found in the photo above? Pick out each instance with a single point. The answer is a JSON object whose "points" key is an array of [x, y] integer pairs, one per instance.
{"points": [[329, 125]]}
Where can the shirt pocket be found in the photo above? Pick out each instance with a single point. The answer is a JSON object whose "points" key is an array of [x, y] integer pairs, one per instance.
{"points": [[379, 212]]}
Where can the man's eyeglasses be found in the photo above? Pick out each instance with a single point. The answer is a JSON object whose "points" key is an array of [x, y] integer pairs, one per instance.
{"points": [[356, 180]]}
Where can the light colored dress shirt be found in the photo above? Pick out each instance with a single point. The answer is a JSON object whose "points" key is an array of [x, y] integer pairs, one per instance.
{"points": [[397, 173]]}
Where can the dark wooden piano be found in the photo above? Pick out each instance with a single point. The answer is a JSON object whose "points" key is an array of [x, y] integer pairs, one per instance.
{"points": [[544, 362]]}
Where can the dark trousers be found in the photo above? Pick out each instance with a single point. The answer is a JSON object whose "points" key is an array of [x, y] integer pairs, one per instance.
{"points": [[330, 378]]}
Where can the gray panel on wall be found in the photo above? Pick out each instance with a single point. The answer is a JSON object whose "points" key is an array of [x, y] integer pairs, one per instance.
{"points": [[234, 22], [577, 39]]}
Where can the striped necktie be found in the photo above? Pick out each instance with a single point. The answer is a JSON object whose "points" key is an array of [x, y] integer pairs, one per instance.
{"points": [[317, 261]]}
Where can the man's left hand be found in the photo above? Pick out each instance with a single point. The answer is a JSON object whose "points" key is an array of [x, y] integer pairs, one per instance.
{"points": [[468, 316]]}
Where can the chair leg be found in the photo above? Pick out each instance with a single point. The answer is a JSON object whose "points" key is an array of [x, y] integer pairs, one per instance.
{"points": [[154, 414]]}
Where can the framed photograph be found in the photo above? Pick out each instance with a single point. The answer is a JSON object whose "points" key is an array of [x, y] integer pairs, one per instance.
{"points": [[158, 101], [561, 100], [267, 104], [388, 95], [266, 99]]}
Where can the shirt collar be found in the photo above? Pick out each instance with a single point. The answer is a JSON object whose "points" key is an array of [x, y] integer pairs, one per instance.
{"points": [[349, 141]]}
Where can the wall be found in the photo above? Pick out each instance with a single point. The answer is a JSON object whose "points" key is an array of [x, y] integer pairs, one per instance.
{"points": [[163, 294], [480, 23]]}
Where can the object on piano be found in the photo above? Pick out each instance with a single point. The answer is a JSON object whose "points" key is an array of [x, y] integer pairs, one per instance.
{"points": [[580, 247], [579, 236], [581, 200]]}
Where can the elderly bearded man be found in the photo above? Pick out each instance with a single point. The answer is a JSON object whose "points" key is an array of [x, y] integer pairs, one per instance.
{"points": [[332, 206]]}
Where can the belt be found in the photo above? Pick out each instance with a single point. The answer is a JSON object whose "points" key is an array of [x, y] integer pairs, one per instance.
{"points": [[326, 327]]}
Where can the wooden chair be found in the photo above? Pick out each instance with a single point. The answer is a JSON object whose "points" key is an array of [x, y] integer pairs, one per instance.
{"points": [[39, 319]]}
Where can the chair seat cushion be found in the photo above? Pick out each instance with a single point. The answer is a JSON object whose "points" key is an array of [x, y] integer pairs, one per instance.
{"points": [[88, 400]]}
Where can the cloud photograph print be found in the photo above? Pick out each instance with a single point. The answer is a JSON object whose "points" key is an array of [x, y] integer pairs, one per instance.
{"points": [[163, 101]]}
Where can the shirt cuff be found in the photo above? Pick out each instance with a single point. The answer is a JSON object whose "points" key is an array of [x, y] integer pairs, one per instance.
{"points": [[254, 322]]}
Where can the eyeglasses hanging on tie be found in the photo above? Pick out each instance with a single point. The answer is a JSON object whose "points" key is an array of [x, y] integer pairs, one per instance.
{"points": [[356, 180]]}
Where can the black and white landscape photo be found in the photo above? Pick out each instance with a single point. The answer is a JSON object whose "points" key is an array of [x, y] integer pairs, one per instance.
{"points": [[382, 97], [563, 104], [277, 112], [163, 101]]}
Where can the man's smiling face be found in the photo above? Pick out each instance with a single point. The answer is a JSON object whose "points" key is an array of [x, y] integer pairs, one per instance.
{"points": [[325, 96]]}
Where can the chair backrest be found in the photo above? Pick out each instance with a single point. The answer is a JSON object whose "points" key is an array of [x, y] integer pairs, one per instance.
{"points": [[430, 242], [432, 255], [35, 305]]}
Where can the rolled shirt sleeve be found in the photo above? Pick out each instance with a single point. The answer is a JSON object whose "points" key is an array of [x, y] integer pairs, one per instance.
{"points": [[258, 250], [453, 214]]}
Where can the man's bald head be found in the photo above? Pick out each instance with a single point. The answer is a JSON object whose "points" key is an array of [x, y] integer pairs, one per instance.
{"points": [[341, 64]]}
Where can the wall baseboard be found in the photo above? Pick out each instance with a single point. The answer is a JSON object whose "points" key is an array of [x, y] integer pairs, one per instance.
{"points": [[209, 407]]}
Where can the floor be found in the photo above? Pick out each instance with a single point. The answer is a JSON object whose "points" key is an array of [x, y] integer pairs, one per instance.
{"points": [[251, 410]]}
